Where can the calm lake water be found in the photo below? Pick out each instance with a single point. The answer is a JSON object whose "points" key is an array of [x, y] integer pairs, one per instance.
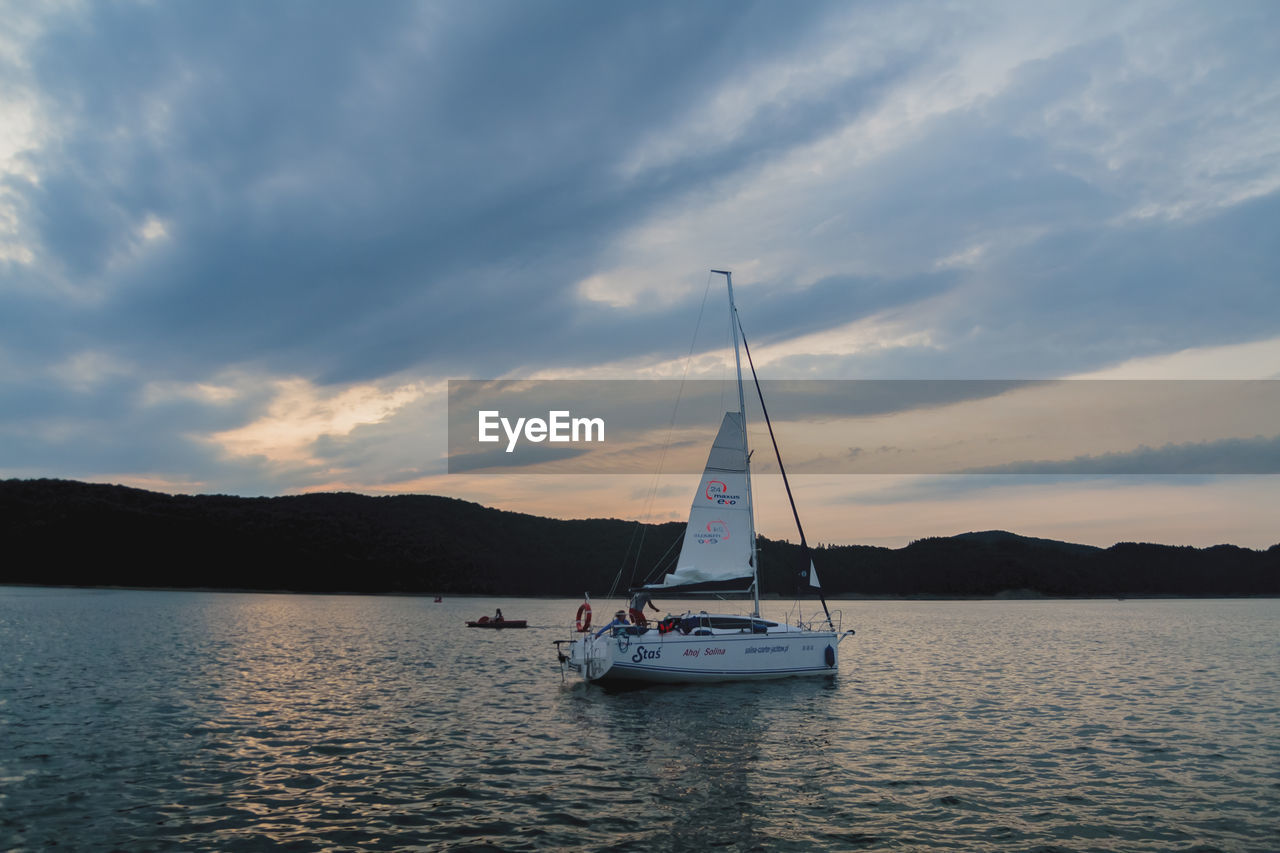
{"points": [[206, 721]]}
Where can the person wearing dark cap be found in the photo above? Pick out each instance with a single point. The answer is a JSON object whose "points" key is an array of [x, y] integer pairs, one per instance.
{"points": [[619, 621]]}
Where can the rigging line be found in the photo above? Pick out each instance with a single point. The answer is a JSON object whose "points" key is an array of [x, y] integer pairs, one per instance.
{"points": [[673, 544], [662, 565], [804, 545], [637, 530], [671, 425]]}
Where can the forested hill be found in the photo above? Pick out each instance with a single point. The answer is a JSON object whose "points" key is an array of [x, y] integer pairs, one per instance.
{"points": [[69, 533]]}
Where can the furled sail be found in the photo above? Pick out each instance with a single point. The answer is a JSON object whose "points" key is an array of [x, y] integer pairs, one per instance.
{"points": [[717, 543]]}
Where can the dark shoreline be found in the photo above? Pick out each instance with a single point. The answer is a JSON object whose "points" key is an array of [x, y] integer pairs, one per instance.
{"points": [[69, 534], [770, 598]]}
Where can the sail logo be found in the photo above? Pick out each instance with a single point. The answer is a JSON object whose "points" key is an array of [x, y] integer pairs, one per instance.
{"points": [[717, 491], [716, 532]]}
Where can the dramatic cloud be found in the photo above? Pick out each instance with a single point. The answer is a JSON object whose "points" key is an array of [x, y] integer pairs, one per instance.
{"points": [[1229, 456], [243, 245]]}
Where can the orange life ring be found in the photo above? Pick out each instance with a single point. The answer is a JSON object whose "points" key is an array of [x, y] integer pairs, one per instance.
{"points": [[584, 625]]}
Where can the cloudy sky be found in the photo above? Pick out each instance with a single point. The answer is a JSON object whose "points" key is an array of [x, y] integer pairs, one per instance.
{"points": [[244, 246]]}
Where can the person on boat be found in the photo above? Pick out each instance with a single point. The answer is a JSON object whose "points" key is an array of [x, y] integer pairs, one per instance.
{"points": [[638, 602], [619, 621], [497, 617]]}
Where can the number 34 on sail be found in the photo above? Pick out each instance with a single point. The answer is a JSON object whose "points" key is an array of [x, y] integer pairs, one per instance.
{"points": [[717, 556]]}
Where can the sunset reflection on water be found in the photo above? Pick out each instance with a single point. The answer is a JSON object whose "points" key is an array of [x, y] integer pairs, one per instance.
{"points": [[168, 720]]}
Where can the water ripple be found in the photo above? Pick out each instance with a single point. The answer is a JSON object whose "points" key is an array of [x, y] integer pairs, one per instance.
{"points": [[196, 721]]}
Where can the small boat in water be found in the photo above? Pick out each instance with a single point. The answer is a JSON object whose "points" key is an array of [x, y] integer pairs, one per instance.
{"points": [[717, 557], [486, 622]]}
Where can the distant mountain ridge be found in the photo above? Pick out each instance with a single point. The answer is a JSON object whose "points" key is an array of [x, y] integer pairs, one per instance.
{"points": [[64, 532], [998, 536]]}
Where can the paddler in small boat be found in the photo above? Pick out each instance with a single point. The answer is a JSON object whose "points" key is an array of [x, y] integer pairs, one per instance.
{"points": [[497, 616]]}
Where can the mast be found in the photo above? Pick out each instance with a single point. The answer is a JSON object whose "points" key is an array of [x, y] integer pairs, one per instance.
{"points": [[742, 411]]}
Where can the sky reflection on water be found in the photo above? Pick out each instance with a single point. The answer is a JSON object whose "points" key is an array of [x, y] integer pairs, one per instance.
{"points": [[203, 721]]}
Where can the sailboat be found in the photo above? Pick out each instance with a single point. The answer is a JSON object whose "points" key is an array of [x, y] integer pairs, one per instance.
{"points": [[717, 557]]}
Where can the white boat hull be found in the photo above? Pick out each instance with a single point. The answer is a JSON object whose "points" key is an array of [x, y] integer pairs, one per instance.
{"points": [[675, 658]]}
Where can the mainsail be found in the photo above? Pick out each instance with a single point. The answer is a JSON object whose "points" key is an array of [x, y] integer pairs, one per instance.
{"points": [[717, 548]]}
